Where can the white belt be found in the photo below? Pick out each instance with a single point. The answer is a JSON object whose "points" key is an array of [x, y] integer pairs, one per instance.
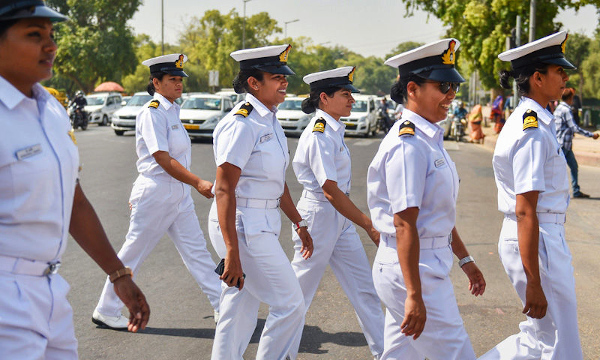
{"points": [[20, 266], [544, 218], [257, 203], [318, 196], [435, 242]]}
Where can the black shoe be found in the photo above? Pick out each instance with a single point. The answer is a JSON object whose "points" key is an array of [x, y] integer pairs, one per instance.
{"points": [[581, 195]]}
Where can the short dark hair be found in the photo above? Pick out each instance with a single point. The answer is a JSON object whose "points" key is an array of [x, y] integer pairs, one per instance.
{"points": [[521, 76], [568, 94], [398, 91], [5, 25], [312, 102], [240, 83], [156, 75]]}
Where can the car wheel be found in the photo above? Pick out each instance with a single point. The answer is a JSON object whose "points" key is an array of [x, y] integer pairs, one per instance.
{"points": [[104, 120], [84, 126], [366, 134], [119, 132]]}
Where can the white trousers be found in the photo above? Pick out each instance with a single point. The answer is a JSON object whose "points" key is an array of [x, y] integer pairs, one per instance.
{"points": [[160, 207], [444, 336], [556, 335], [269, 279], [36, 320], [337, 243]]}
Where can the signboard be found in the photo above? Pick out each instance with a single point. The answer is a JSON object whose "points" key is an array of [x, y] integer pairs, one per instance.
{"points": [[213, 78]]}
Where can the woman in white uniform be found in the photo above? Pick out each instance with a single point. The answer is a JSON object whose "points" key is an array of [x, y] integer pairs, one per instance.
{"points": [[251, 154], [322, 166], [533, 194], [161, 200], [412, 191], [41, 200]]}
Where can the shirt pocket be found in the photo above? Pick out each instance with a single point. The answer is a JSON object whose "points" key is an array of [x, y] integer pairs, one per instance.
{"points": [[272, 156], [179, 141], [556, 169]]}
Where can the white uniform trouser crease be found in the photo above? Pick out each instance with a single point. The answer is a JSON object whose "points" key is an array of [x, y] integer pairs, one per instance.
{"points": [[337, 243], [556, 335], [161, 207], [269, 279]]}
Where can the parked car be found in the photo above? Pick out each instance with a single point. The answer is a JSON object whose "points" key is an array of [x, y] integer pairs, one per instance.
{"points": [[363, 118], [124, 100], [235, 97], [291, 117], [101, 106], [201, 112], [124, 118]]}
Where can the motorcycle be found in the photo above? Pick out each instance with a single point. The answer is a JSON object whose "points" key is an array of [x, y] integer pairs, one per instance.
{"points": [[458, 128], [383, 121], [78, 117]]}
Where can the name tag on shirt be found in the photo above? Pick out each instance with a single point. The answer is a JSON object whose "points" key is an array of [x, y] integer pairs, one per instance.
{"points": [[29, 151], [439, 163], [174, 127], [266, 138]]}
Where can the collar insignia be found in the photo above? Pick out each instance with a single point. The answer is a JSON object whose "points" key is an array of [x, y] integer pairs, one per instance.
{"points": [[179, 62], [448, 57], [530, 119], [154, 104], [319, 126], [407, 128], [284, 55]]}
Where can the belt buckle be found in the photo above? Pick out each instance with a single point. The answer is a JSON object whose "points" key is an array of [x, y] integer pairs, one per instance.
{"points": [[52, 268]]}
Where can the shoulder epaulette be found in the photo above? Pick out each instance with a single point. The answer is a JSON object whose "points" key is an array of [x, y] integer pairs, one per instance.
{"points": [[154, 104], [530, 119], [407, 128], [245, 110], [319, 125]]}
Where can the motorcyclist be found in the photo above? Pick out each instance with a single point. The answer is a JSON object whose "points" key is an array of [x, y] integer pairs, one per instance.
{"points": [[461, 112], [78, 104], [387, 122]]}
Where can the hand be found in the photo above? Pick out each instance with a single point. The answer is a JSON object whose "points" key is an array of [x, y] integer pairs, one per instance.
{"points": [[414, 317], [535, 301], [134, 299], [374, 235], [204, 187], [233, 274], [307, 242], [476, 280]]}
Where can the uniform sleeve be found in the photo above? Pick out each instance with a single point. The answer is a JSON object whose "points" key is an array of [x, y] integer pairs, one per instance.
{"points": [[321, 157], [235, 143], [528, 162], [153, 127], [405, 173]]}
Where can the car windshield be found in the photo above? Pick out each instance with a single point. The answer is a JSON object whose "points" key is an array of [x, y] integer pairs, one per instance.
{"points": [[360, 106], [202, 104], [139, 100], [291, 105], [95, 100]]}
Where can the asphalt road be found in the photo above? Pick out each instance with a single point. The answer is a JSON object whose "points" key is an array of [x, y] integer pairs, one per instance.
{"points": [[181, 325]]}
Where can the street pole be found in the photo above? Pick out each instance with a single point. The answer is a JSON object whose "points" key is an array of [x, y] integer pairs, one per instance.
{"points": [[517, 44], [532, 7], [244, 26], [285, 26], [162, 26]]}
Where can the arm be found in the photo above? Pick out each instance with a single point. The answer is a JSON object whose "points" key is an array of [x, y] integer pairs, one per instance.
{"points": [[228, 176], [476, 280], [86, 229], [407, 243], [289, 209], [346, 207], [528, 235], [179, 172]]}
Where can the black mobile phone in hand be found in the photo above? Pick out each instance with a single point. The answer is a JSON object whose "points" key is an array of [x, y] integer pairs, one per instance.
{"points": [[221, 268]]}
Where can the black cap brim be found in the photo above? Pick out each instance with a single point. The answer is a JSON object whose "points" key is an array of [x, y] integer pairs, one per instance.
{"points": [[350, 87], [38, 12], [561, 61], [276, 69], [447, 75], [176, 72]]}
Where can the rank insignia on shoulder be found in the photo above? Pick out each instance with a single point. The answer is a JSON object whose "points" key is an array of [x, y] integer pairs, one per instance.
{"points": [[71, 134], [530, 119], [154, 104], [319, 125], [407, 128], [245, 110]]}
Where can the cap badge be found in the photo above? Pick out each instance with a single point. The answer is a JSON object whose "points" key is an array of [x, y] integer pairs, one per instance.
{"points": [[284, 55], [448, 57], [562, 45], [319, 126], [407, 128], [179, 62], [530, 119], [351, 75]]}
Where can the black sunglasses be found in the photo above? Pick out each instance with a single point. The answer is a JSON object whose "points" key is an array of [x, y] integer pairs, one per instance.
{"points": [[445, 86]]}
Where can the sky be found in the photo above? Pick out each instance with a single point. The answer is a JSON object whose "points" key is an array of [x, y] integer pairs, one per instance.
{"points": [[368, 27]]}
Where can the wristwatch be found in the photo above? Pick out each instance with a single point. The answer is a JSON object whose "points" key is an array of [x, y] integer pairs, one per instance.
{"points": [[299, 224], [465, 260]]}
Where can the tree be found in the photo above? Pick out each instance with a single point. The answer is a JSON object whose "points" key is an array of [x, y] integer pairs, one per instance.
{"points": [[578, 48], [96, 45]]}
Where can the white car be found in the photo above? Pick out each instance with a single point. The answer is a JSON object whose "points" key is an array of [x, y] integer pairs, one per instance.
{"points": [[101, 106], [235, 97], [124, 118], [291, 117], [363, 118], [201, 112]]}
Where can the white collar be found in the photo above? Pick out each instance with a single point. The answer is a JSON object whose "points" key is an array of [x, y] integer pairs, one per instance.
{"points": [[541, 112], [163, 100], [335, 125], [262, 110], [11, 96], [421, 123]]}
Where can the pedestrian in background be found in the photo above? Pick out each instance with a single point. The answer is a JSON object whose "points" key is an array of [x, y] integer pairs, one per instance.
{"points": [[251, 154], [566, 127], [41, 200], [322, 165], [498, 113], [161, 200], [475, 121], [412, 187], [533, 194]]}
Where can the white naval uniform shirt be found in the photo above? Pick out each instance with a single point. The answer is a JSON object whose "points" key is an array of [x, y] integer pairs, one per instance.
{"points": [[323, 156], [38, 174], [257, 145], [413, 171], [160, 129], [530, 160]]}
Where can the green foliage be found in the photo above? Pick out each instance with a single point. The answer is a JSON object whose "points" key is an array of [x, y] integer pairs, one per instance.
{"points": [[590, 69]]}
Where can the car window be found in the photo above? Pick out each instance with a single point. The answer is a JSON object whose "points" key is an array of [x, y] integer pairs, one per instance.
{"points": [[139, 100], [371, 105], [202, 104], [360, 106], [290, 105], [110, 101], [95, 100], [228, 104]]}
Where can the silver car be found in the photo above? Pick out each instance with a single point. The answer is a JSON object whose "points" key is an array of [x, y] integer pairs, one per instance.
{"points": [[291, 117], [363, 118], [124, 118], [201, 112]]}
